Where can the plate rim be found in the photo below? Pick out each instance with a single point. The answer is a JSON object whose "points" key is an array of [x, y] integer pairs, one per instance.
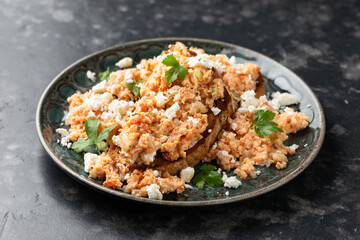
{"points": [[116, 193]]}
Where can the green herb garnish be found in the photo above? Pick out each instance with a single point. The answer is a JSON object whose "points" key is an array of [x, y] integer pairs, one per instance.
{"points": [[134, 87], [176, 70], [262, 124], [209, 176], [91, 129], [105, 75]]}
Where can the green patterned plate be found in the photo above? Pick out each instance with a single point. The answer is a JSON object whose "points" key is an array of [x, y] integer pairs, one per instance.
{"points": [[53, 106]]}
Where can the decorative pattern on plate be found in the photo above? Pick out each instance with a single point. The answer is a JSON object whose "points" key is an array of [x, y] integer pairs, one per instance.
{"points": [[53, 107]]}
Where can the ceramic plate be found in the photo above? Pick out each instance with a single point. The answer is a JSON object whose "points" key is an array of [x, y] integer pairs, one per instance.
{"points": [[53, 106]]}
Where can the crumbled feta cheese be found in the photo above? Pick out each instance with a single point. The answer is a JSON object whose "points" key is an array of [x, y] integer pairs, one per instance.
{"points": [[170, 113], [128, 75], [294, 147], [198, 98], [63, 132], [219, 170], [192, 120], [215, 110], [120, 106], [161, 99], [233, 126], [203, 60], [224, 153], [163, 138], [214, 146], [106, 116], [177, 97], [89, 159], [116, 140], [95, 102], [188, 186], [230, 182], [227, 193], [65, 142], [282, 99], [232, 160], [187, 174], [90, 75], [153, 192], [58, 141], [91, 114], [156, 173], [99, 88], [125, 62], [210, 130], [127, 176], [232, 60], [174, 89], [258, 172], [250, 77], [248, 101], [149, 157]]}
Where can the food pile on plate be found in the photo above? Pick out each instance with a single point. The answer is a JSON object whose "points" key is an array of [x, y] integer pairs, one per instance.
{"points": [[143, 129]]}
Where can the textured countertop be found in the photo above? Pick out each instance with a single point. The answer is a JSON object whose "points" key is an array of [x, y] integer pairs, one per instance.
{"points": [[318, 40]]}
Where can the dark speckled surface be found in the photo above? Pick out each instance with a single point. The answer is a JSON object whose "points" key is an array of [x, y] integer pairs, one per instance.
{"points": [[318, 40]]}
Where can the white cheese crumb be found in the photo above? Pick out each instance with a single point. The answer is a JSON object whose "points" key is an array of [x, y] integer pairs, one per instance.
{"points": [[99, 88], [188, 186], [187, 174], [250, 77], [170, 113], [294, 147], [120, 106], [214, 146], [149, 157], [203, 60], [258, 172], [174, 89], [215, 110], [232, 160], [63, 132], [91, 114], [90, 75], [117, 140], [219, 170], [232, 60], [192, 120], [156, 173], [65, 142], [230, 182], [89, 159], [282, 99], [346, 101], [95, 102], [153, 192], [58, 141], [125, 62], [106, 116], [233, 126], [161, 99], [128, 75], [198, 98], [248, 101], [177, 97], [224, 153], [227, 193], [163, 138], [210, 130], [127, 176]]}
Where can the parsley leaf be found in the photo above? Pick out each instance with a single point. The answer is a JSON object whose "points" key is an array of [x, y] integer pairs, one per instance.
{"points": [[91, 129], [176, 71], [134, 87], [209, 176], [262, 124], [105, 75]]}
